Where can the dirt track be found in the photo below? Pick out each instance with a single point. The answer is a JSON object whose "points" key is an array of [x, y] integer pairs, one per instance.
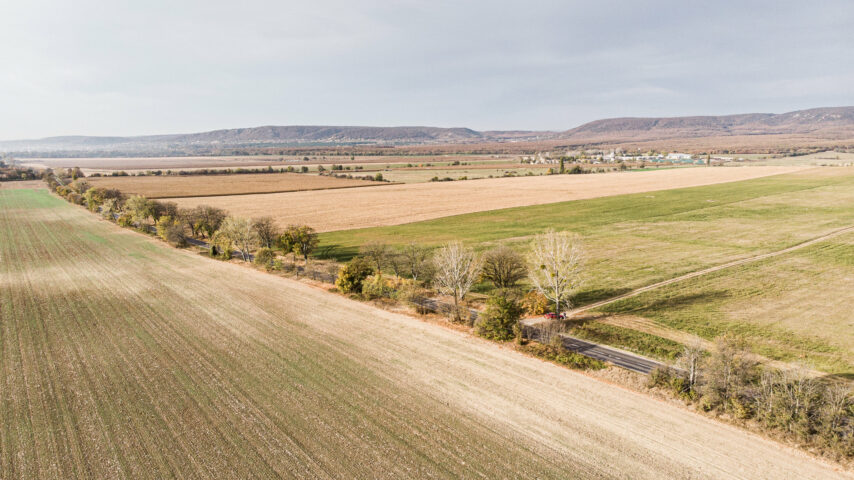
{"points": [[396, 204], [707, 271]]}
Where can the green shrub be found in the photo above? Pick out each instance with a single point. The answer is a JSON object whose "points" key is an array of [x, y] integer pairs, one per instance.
{"points": [[497, 322], [351, 275], [264, 257]]}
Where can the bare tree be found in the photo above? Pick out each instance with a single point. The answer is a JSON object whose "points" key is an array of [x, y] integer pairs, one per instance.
{"points": [[504, 267], [238, 233], [415, 260], [266, 230], [377, 252], [838, 399], [556, 261], [690, 360], [727, 372], [457, 269]]}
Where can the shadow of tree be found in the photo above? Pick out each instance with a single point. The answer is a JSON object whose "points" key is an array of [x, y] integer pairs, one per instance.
{"points": [[589, 296], [637, 305]]}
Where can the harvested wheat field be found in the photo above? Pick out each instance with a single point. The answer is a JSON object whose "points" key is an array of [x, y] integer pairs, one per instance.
{"points": [[123, 358], [397, 204], [234, 184]]}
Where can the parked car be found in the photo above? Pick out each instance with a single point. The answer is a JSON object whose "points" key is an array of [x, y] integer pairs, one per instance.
{"points": [[555, 316]]}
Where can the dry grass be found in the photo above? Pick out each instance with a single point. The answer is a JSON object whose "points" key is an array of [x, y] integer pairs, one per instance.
{"points": [[122, 358], [237, 184], [397, 204]]}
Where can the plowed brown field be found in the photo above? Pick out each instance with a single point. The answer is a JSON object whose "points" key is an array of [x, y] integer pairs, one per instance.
{"points": [[123, 358], [397, 204], [236, 184]]}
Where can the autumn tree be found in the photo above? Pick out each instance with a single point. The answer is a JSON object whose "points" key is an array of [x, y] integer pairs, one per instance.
{"points": [[210, 219], [140, 210], [300, 240], [237, 233], [556, 261], [165, 209]]}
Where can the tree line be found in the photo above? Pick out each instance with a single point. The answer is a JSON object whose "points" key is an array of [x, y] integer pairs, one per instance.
{"points": [[728, 379], [227, 234]]}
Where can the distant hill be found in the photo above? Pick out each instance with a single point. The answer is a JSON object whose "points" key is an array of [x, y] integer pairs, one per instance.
{"points": [[276, 135], [814, 126], [835, 122]]}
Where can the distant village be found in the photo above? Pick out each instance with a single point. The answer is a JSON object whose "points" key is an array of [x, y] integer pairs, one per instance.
{"points": [[597, 157]]}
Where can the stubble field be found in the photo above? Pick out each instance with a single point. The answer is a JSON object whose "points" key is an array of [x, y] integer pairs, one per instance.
{"points": [[236, 184], [123, 358], [397, 204]]}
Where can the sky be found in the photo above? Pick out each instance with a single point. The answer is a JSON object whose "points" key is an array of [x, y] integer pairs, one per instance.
{"points": [[150, 67]]}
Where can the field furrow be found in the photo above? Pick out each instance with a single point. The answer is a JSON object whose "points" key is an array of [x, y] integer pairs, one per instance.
{"points": [[123, 358]]}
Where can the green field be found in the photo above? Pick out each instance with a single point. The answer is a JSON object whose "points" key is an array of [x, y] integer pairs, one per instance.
{"points": [[636, 240], [795, 307]]}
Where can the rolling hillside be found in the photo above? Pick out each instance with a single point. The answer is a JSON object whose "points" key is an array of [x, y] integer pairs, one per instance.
{"points": [[821, 124], [835, 122]]}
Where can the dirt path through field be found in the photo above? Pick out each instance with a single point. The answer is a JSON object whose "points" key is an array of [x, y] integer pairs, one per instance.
{"points": [[707, 271], [396, 204]]}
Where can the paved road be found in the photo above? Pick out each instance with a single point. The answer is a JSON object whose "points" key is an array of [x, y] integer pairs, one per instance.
{"points": [[620, 358]]}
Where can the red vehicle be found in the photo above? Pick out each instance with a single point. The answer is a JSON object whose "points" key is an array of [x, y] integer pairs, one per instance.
{"points": [[556, 316]]}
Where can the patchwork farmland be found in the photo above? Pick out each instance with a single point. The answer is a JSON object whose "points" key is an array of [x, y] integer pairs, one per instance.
{"points": [[123, 358], [637, 240], [397, 204]]}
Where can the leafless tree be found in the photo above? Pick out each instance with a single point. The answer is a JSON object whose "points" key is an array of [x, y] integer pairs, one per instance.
{"points": [[555, 265], [728, 370], [377, 252], [504, 267], [266, 231], [838, 399], [690, 360], [415, 260], [457, 269]]}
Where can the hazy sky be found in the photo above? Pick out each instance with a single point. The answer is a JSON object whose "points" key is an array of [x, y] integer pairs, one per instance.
{"points": [[143, 67]]}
